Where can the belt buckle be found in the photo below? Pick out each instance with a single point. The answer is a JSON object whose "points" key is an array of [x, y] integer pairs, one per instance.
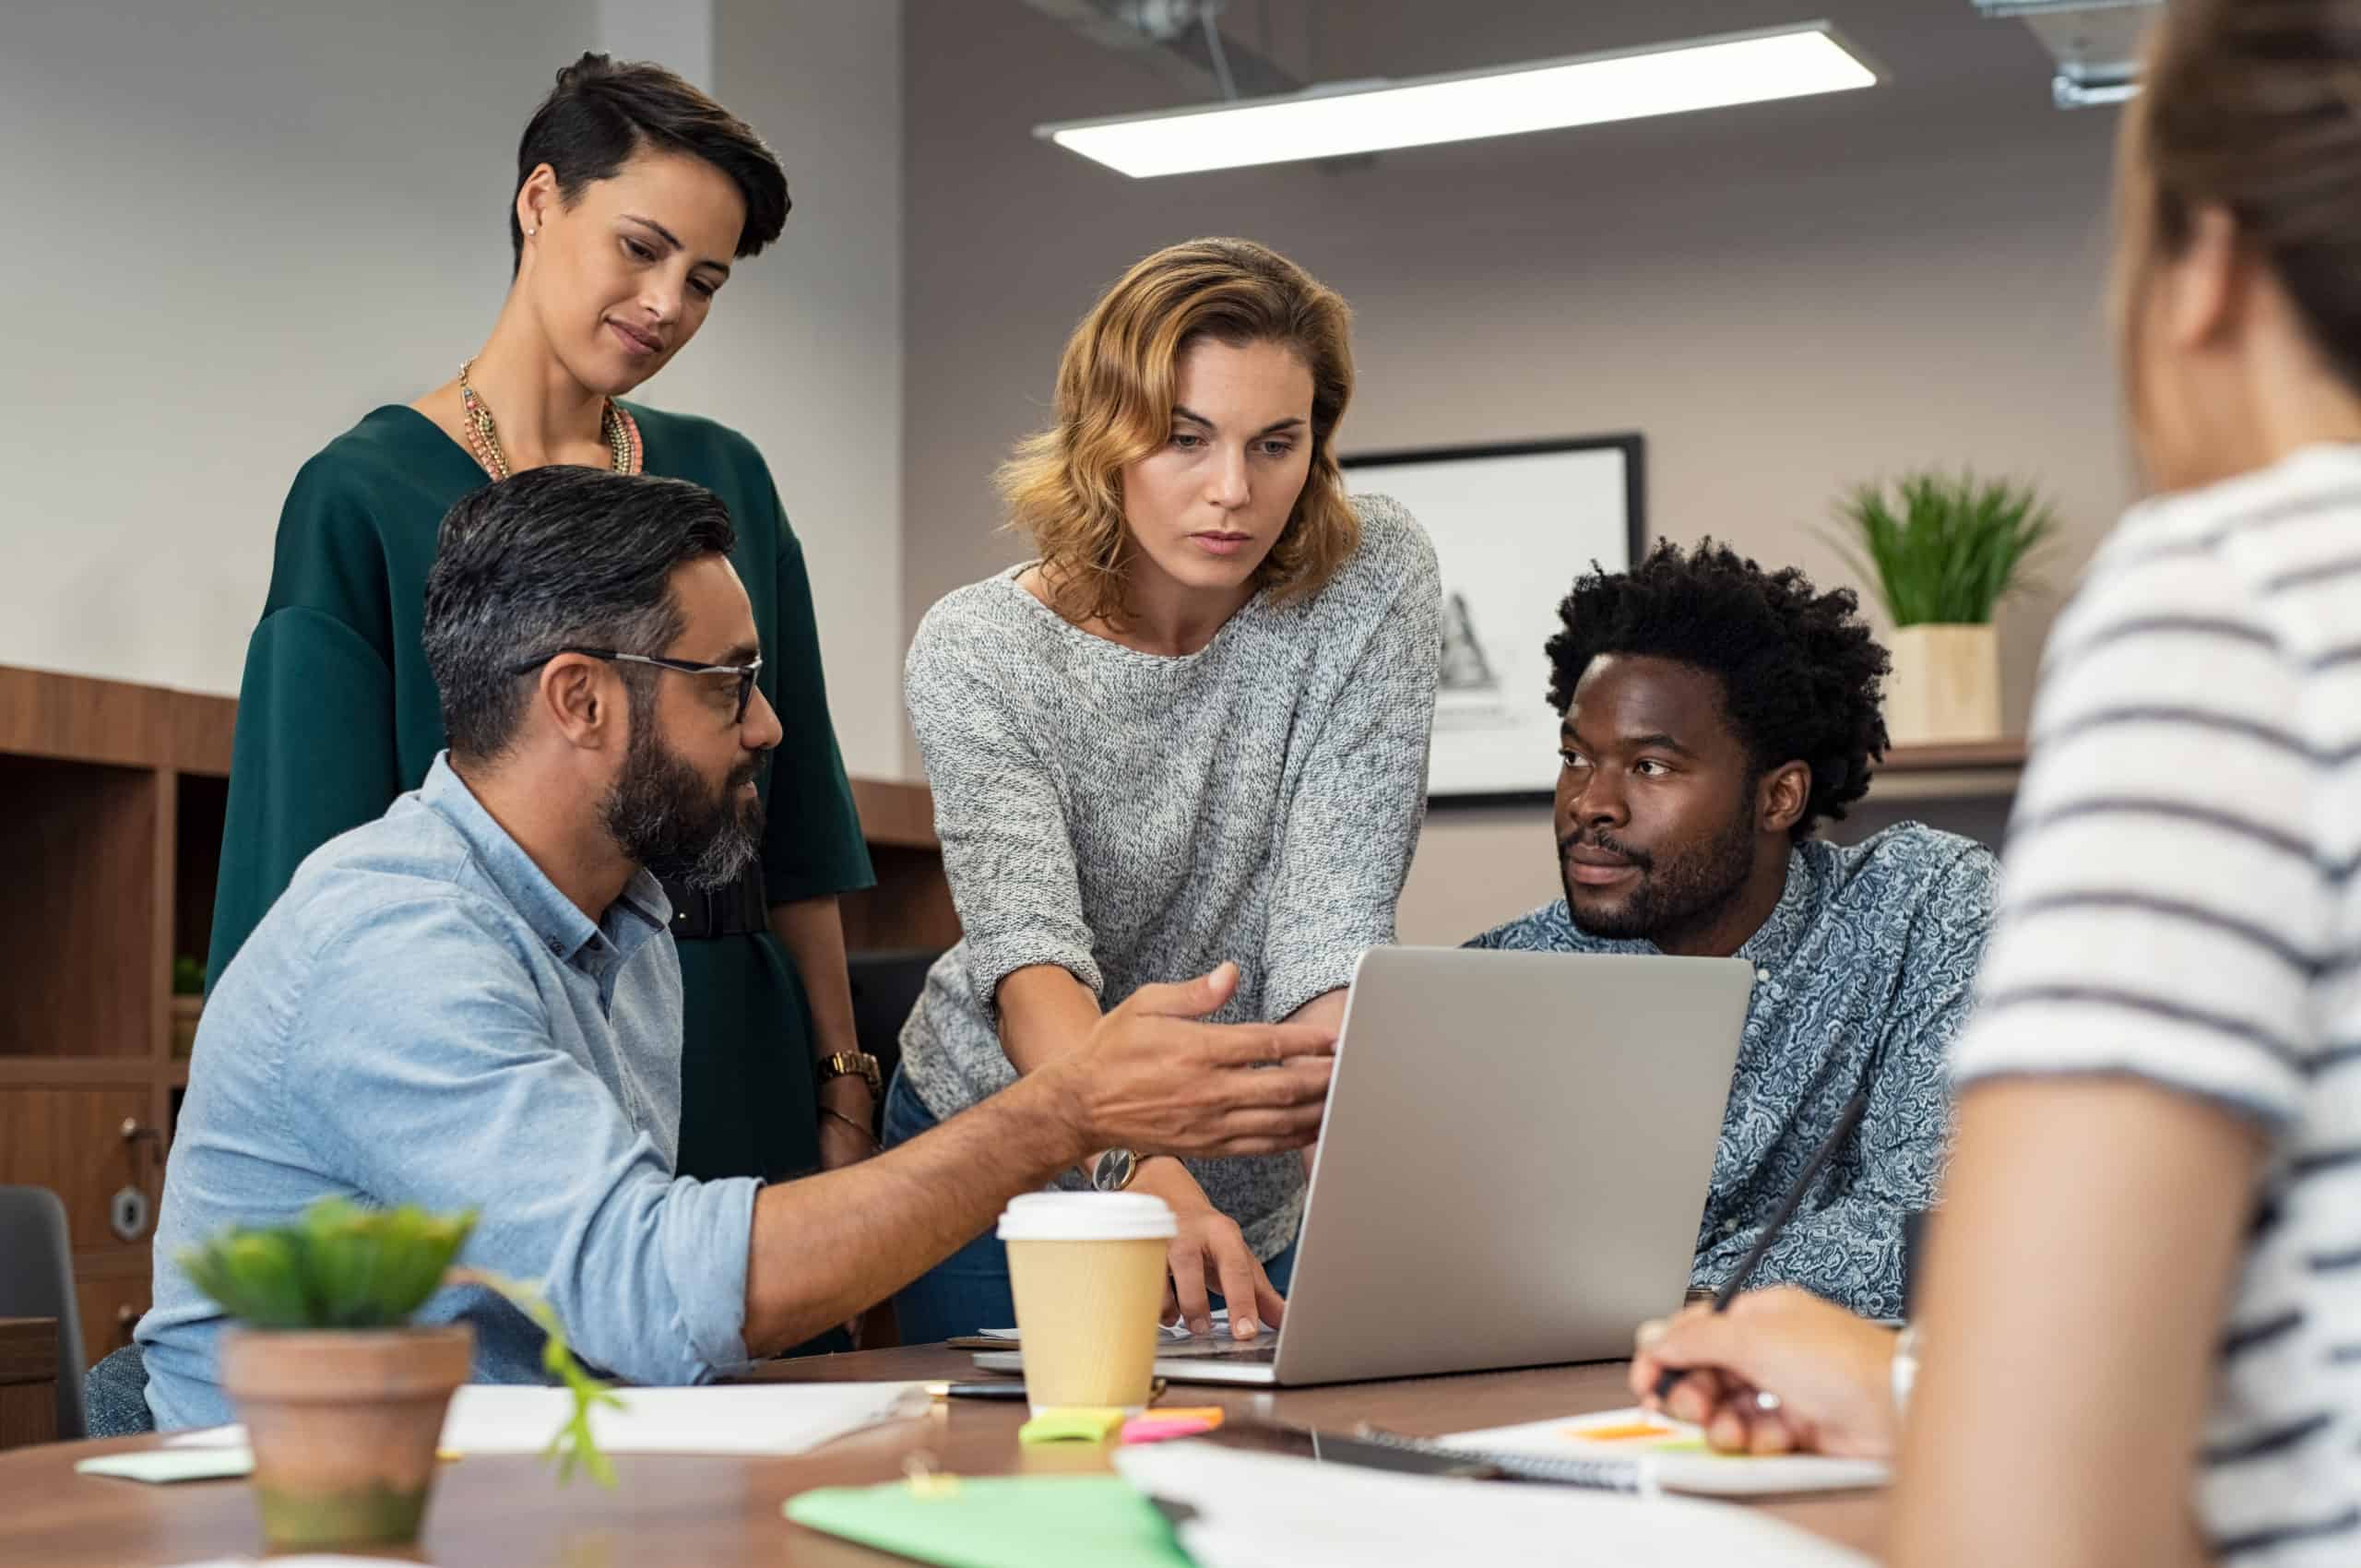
{"points": [[692, 917]]}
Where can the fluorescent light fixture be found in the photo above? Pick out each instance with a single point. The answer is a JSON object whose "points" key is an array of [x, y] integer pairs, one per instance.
{"points": [[1547, 95]]}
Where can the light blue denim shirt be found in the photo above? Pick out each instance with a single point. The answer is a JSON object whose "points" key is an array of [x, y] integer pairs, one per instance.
{"points": [[423, 1017]]}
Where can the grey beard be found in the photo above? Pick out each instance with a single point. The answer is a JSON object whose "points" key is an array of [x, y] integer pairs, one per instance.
{"points": [[727, 855]]}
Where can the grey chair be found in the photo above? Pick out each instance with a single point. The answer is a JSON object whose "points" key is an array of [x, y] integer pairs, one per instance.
{"points": [[115, 1395], [37, 1280]]}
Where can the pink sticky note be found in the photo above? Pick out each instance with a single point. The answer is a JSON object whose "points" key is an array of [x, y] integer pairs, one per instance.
{"points": [[1159, 1428]]}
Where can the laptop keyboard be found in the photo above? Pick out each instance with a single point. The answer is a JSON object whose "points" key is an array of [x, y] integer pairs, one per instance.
{"points": [[1220, 1348]]}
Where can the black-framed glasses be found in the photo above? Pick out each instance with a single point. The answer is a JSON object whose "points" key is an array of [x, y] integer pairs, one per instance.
{"points": [[745, 673]]}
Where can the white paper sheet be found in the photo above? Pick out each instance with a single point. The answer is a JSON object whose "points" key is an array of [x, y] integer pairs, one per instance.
{"points": [[739, 1417], [1686, 1469], [165, 1465], [1261, 1511]]}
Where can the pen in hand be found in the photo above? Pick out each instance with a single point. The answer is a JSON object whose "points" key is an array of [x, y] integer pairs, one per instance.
{"points": [[1846, 1120]]}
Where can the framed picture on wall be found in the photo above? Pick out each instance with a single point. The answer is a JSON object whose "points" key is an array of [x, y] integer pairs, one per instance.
{"points": [[1512, 527]]}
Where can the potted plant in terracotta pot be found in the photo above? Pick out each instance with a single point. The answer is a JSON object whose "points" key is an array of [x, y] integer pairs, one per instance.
{"points": [[1943, 551], [342, 1396]]}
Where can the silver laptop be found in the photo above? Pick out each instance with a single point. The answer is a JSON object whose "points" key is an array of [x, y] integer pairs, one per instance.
{"points": [[1512, 1169]]}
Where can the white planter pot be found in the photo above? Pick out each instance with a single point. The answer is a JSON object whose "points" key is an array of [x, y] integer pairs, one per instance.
{"points": [[1945, 688]]}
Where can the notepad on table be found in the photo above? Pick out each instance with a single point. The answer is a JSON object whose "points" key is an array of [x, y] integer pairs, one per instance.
{"points": [[1633, 1450]]}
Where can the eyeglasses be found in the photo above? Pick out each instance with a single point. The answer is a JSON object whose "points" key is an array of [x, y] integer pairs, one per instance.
{"points": [[745, 673]]}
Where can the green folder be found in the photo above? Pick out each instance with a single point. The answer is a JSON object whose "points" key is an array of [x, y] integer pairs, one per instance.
{"points": [[1001, 1522]]}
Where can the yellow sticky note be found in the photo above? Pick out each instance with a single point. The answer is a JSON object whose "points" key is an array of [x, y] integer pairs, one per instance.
{"points": [[1077, 1424]]}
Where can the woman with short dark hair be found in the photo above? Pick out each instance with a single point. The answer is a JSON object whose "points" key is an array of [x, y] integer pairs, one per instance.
{"points": [[636, 195]]}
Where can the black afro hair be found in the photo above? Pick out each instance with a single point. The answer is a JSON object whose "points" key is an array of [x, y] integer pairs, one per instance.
{"points": [[1799, 673]]}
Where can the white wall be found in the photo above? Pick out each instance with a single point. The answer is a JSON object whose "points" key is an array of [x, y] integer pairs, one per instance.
{"points": [[237, 225], [1784, 298], [807, 359]]}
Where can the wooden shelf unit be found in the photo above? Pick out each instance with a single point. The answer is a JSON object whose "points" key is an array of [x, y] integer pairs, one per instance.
{"points": [[111, 802], [1969, 770]]}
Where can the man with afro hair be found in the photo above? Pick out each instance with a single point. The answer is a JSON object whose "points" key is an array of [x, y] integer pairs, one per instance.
{"points": [[1715, 715]]}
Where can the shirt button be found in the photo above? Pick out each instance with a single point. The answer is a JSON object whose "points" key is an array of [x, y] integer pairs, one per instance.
{"points": [[556, 947], [1762, 975], [1730, 1226]]}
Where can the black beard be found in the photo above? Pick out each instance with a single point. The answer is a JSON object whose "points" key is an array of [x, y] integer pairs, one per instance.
{"points": [[1689, 888], [662, 815]]}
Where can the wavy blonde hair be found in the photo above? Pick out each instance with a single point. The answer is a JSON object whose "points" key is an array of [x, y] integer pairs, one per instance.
{"points": [[1064, 485]]}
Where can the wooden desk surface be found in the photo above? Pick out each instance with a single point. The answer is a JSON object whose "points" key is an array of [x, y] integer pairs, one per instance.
{"points": [[509, 1512]]}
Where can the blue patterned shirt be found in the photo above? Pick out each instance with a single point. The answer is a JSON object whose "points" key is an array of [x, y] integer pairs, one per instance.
{"points": [[1862, 977]]}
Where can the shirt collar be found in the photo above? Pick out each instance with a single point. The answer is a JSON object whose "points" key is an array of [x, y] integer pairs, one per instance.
{"points": [[1776, 939], [564, 930]]}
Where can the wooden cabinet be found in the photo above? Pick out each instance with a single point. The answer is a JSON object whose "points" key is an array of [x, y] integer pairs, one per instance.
{"points": [[74, 1141], [27, 1380], [112, 1296], [111, 803]]}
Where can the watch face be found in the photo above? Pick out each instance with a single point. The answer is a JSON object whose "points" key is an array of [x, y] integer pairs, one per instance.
{"points": [[1114, 1172]]}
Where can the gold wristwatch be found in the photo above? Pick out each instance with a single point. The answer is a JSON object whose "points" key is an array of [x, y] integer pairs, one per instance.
{"points": [[859, 1063]]}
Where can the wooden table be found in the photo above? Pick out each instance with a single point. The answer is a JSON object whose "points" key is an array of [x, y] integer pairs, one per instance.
{"points": [[27, 1380], [509, 1512]]}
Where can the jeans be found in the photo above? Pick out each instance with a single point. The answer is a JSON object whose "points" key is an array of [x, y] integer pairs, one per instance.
{"points": [[969, 1289]]}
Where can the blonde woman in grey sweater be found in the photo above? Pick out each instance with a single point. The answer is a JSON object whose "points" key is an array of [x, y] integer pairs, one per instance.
{"points": [[1187, 742]]}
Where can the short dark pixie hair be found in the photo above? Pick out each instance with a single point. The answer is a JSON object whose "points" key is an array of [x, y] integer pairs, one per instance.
{"points": [[555, 556], [1799, 673], [601, 112]]}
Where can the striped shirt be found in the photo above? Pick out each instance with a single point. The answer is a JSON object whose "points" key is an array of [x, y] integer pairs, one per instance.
{"points": [[2180, 903]]}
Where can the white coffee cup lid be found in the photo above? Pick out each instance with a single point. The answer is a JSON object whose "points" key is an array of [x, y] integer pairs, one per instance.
{"points": [[1087, 1216]]}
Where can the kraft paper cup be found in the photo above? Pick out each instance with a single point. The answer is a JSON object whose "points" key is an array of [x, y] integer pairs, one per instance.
{"points": [[1087, 1270]]}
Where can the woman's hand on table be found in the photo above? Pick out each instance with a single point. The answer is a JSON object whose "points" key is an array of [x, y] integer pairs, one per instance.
{"points": [[1829, 1374]]}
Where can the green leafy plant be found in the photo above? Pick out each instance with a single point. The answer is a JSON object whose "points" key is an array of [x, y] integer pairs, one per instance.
{"points": [[343, 1267], [188, 976], [1943, 549]]}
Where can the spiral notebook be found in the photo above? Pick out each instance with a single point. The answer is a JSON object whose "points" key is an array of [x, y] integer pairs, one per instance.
{"points": [[1633, 1450]]}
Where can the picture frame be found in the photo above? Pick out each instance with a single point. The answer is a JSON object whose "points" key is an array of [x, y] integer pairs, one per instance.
{"points": [[1512, 524]]}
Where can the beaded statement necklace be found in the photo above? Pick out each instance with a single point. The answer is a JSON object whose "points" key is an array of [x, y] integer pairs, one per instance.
{"points": [[616, 427]]}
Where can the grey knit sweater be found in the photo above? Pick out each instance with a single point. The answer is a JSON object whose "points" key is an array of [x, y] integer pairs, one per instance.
{"points": [[1135, 818]]}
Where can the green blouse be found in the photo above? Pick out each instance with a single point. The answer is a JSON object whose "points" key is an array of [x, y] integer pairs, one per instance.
{"points": [[338, 715]]}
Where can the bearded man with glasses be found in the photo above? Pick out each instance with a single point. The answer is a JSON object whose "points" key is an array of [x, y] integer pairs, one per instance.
{"points": [[465, 1004]]}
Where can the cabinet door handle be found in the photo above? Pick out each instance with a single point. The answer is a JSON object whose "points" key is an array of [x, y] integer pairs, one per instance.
{"points": [[134, 1133]]}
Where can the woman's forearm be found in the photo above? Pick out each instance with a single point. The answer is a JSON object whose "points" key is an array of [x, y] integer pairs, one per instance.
{"points": [[1044, 1012], [2075, 1286]]}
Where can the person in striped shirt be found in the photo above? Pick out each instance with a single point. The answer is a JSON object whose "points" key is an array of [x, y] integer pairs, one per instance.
{"points": [[2141, 1339]]}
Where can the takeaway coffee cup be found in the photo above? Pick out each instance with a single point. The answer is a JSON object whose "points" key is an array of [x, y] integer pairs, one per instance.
{"points": [[1087, 1271]]}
